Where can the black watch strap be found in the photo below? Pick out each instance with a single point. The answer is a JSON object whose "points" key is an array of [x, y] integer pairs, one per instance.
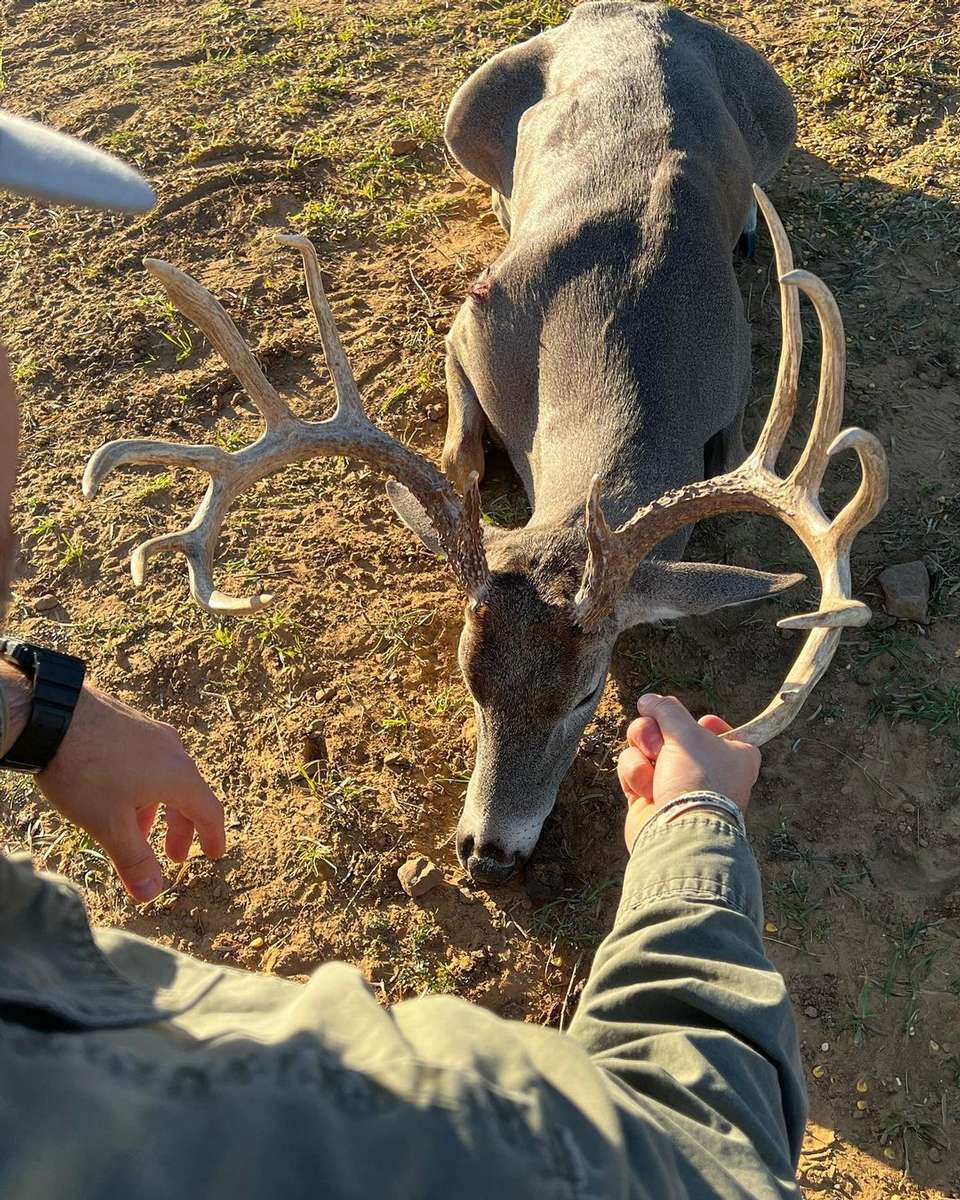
{"points": [[57, 680]]}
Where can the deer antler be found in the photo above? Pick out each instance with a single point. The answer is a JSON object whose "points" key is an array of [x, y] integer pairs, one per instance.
{"points": [[613, 555], [286, 439]]}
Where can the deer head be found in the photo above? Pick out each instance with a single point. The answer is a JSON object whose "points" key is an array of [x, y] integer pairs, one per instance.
{"points": [[544, 606]]}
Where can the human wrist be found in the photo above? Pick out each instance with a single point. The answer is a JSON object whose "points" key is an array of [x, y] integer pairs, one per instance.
{"points": [[694, 802], [17, 701]]}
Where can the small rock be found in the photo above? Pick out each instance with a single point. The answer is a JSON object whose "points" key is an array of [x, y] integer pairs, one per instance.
{"points": [[935, 1154], [46, 603], [418, 876], [434, 412], [906, 591], [811, 1011], [404, 145]]}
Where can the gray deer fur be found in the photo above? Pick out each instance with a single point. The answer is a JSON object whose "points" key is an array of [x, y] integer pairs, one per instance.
{"points": [[608, 338]]}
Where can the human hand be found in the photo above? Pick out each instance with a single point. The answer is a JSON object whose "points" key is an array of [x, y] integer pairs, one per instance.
{"points": [[669, 754], [113, 770]]}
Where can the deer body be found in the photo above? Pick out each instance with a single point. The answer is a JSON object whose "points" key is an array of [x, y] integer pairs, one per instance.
{"points": [[608, 341], [609, 337], [607, 350]]}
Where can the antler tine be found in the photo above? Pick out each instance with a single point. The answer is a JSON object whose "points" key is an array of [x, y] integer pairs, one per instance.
{"points": [[871, 496], [457, 523], [812, 464], [286, 439], [754, 487], [784, 402], [136, 451], [349, 404], [206, 312], [592, 599]]}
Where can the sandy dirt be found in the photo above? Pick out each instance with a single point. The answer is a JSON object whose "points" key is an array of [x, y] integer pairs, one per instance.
{"points": [[335, 726]]}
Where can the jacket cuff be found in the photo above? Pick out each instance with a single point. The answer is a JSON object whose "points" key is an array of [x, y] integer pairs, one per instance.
{"points": [[699, 856]]}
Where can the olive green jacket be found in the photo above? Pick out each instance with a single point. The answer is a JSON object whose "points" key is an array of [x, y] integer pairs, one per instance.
{"points": [[129, 1072]]}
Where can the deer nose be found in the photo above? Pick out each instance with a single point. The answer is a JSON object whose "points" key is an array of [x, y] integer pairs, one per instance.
{"points": [[485, 863]]}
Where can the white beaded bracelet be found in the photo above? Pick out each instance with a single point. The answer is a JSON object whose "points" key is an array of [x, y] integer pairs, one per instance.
{"points": [[696, 800]]}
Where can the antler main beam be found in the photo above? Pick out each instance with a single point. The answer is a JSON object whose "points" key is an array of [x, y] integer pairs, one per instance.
{"points": [[613, 555], [286, 439]]}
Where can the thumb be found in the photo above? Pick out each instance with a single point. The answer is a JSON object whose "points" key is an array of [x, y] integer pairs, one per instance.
{"points": [[136, 863], [669, 714]]}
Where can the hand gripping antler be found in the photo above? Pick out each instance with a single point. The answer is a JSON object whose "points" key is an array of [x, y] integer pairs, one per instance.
{"points": [[613, 555], [286, 439]]}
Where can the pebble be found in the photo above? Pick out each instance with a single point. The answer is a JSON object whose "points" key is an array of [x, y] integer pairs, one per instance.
{"points": [[906, 591], [256, 943], [935, 1154], [46, 603], [418, 876], [810, 1011], [403, 145]]}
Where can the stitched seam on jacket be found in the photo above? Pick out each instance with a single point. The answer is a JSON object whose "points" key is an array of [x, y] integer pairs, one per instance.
{"points": [[692, 887], [689, 821]]}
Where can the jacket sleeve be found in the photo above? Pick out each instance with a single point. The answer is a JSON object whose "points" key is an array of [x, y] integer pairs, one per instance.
{"points": [[690, 1020]]}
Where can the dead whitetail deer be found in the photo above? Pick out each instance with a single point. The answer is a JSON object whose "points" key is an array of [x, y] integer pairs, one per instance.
{"points": [[568, 654]]}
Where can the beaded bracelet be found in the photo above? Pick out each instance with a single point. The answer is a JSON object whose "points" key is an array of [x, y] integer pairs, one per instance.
{"points": [[696, 800]]}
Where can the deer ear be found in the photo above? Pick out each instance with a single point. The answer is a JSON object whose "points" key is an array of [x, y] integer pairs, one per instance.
{"points": [[412, 513], [484, 115], [661, 591]]}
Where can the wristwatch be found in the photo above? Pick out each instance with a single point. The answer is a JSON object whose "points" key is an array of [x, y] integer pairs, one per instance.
{"points": [[57, 680]]}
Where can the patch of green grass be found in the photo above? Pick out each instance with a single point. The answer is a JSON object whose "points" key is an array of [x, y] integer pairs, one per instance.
{"points": [[925, 704], [74, 550], [793, 905], [325, 218], [397, 637], [281, 632], [414, 215], [223, 636], [315, 855], [859, 1017], [232, 439], [396, 721], [574, 919], [449, 702], [26, 371], [153, 486], [64, 847], [421, 967]]}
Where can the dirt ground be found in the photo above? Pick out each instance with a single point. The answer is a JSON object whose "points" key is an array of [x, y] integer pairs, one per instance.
{"points": [[335, 725]]}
